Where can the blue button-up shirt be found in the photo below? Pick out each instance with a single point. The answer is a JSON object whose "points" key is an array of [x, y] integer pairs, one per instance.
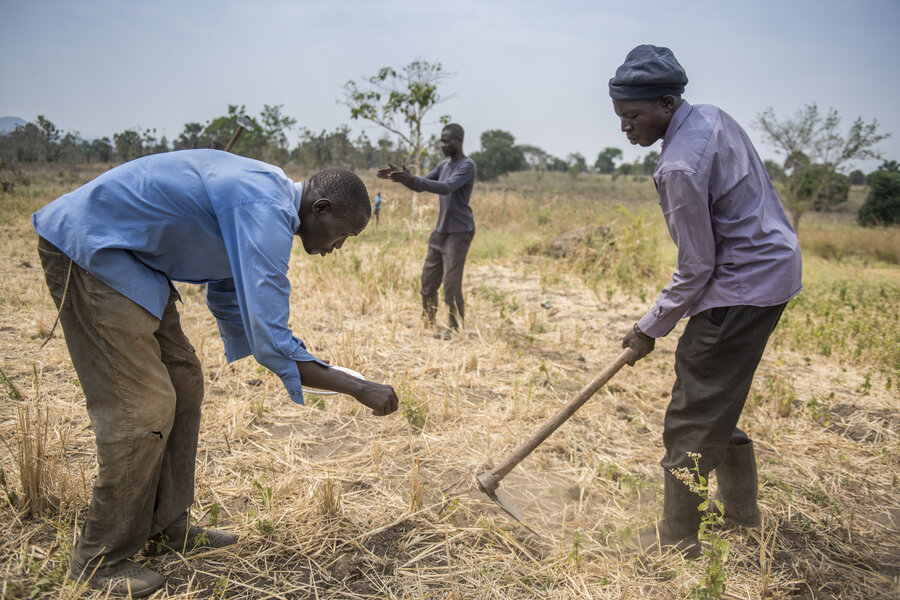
{"points": [[735, 243], [198, 216]]}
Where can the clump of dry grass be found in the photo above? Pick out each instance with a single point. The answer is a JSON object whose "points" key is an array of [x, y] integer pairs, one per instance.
{"points": [[331, 502]]}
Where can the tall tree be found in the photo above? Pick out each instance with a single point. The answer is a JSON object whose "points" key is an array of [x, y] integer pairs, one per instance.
{"points": [[128, 145], [815, 147], [648, 165], [399, 100], [606, 160], [498, 155], [536, 159]]}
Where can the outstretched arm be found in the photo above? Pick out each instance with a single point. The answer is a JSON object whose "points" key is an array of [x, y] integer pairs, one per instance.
{"points": [[461, 174], [380, 398], [401, 175]]}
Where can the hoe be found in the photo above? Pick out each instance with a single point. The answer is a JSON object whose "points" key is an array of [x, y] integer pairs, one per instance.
{"points": [[490, 480]]}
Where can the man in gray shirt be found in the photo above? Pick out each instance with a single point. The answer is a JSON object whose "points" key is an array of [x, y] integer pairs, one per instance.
{"points": [[453, 179], [738, 265]]}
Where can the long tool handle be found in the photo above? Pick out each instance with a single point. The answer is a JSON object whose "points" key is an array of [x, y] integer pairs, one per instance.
{"points": [[561, 416], [234, 138]]}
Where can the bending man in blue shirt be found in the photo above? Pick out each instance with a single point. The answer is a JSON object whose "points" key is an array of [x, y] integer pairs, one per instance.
{"points": [[738, 265], [110, 251], [453, 180]]}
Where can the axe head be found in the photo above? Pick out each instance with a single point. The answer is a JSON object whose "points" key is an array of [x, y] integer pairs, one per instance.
{"points": [[245, 122]]}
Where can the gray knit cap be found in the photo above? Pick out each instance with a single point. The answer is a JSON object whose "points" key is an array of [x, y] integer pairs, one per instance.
{"points": [[648, 72]]}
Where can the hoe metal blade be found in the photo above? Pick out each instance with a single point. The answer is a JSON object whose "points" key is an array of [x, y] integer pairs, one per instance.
{"points": [[488, 484]]}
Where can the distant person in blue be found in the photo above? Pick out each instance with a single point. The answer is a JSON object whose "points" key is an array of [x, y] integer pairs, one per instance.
{"points": [[738, 265], [377, 207], [110, 252], [453, 179]]}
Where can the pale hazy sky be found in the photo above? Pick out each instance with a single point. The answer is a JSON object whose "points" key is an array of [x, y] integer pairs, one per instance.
{"points": [[538, 69]]}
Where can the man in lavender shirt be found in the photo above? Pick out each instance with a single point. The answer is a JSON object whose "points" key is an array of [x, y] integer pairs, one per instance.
{"points": [[738, 265]]}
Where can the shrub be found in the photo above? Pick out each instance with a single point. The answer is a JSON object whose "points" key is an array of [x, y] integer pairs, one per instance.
{"points": [[882, 205]]}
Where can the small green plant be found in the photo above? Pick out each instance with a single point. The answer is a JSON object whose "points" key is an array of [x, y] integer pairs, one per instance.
{"points": [[12, 390], [715, 550], [574, 557], [264, 525], [220, 588]]}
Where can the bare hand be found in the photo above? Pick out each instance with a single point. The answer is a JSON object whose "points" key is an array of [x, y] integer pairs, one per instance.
{"points": [[640, 344], [386, 172], [382, 399], [404, 177]]}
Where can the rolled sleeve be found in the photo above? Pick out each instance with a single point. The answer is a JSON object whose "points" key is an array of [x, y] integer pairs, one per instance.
{"points": [[685, 204], [258, 241]]}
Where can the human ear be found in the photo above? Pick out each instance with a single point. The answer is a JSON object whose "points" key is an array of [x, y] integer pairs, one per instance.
{"points": [[322, 205], [667, 102]]}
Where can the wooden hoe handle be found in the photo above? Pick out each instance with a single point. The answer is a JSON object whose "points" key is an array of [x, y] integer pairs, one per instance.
{"points": [[561, 416]]}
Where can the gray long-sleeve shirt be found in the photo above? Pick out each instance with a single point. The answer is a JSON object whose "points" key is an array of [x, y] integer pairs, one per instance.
{"points": [[454, 183], [735, 243]]}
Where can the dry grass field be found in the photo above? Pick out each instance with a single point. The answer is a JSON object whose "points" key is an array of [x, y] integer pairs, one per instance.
{"points": [[332, 503]]}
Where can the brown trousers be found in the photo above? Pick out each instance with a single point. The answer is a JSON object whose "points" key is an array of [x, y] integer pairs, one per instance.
{"points": [[143, 386]]}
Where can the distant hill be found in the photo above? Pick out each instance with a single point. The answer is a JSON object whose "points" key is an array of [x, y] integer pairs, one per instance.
{"points": [[10, 123]]}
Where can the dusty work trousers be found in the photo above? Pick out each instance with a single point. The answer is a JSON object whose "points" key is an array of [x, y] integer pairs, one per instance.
{"points": [[444, 262], [143, 386], [715, 361]]}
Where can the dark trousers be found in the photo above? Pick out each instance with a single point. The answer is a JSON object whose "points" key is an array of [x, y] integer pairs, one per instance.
{"points": [[444, 262], [715, 361], [143, 386]]}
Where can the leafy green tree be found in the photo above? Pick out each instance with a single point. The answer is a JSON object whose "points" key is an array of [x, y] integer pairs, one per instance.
{"points": [[71, 148], [128, 145], [889, 165], [818, 138], [577, 160], [218, 131], [101, 149], [606, 160], [774, 169], [536, 159], [857, 177], [828, 198], [882, 205], [274, 128], [191, 137], [399, 101], [498, 155], [557, 165], [648, 166]]}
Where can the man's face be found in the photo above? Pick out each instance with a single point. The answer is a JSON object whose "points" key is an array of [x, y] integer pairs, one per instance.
{"points": [[322, 232], [643, 121], [450, 144]]}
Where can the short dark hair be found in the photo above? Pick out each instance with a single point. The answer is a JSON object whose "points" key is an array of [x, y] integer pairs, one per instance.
{"points": [[347, 193], [455, 130]]}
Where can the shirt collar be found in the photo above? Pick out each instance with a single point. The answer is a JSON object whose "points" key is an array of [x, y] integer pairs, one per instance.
{"points": [[681, 113]]}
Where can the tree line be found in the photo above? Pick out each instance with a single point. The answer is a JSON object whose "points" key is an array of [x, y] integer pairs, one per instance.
{"points": [[399, 100]]}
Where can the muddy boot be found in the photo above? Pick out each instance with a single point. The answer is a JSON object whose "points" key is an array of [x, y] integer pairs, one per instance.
{"points": [[121, 579], [429, 308], [678, 528], [738, 486]]}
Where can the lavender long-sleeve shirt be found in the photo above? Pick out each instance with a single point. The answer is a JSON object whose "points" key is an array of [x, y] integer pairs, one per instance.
{"points": [[735, 243], [453, 181]]}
